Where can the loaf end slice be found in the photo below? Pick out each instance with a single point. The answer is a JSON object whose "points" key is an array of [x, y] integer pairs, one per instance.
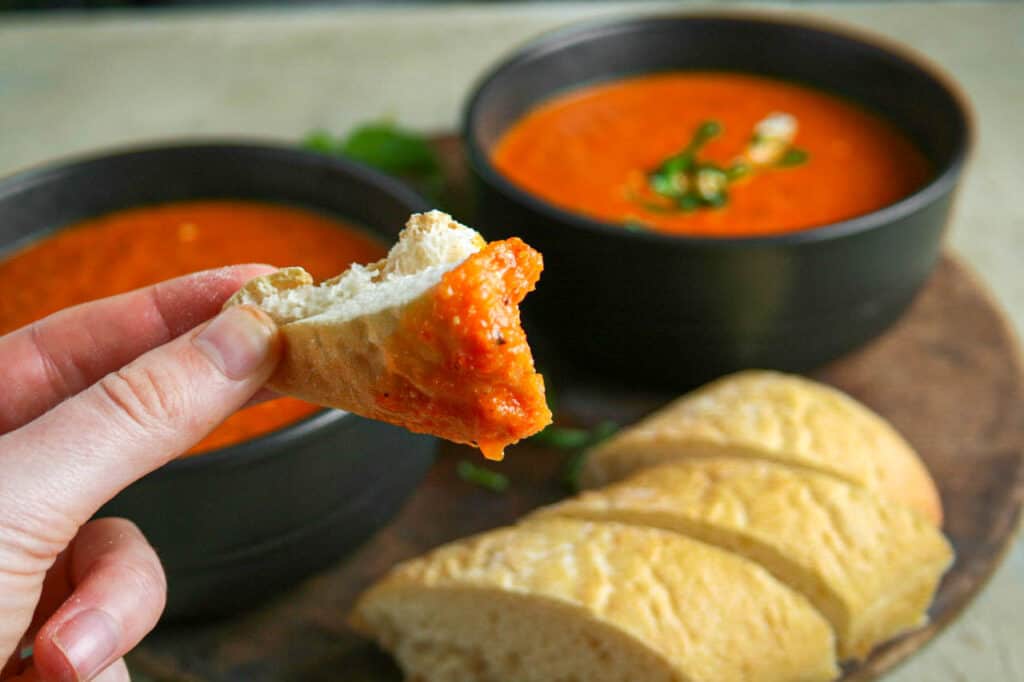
{"points": [[561, 599]]}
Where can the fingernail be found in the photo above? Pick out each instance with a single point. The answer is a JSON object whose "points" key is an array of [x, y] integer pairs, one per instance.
{"points": [[89, 642], [237, 341]]}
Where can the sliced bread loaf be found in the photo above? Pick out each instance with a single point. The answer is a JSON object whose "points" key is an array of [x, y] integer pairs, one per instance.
{"points": [[561, 600], [869, 565], [776, 417]]}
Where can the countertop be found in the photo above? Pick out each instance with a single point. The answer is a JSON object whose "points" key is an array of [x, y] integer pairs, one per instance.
{"points": [[71, 83]]}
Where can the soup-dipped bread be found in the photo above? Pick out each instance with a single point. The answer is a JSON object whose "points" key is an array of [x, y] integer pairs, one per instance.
{"points": [[718, 566], [428, 338]]}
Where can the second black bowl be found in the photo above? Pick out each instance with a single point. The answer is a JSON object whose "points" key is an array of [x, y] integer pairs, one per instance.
{"points": [[680, 310]]}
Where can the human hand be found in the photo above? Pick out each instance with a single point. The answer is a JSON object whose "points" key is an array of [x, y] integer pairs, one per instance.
{"points": [[91, 399]]}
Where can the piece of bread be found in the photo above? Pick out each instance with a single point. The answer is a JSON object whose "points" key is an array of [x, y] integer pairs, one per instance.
{"points": [[428, 338], [778, 417], [563, 600], [870, 566]]}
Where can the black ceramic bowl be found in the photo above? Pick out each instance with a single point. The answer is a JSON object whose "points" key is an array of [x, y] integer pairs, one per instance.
{"points": [[683, 309], [234, 525]]}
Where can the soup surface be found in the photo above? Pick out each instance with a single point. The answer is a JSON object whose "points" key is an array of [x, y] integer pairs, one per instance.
{"points": [[140, 246], [596, 151]]}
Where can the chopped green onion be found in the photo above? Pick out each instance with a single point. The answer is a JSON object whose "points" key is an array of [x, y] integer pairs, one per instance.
{"points": [[668, 184], [563, 437], [793, 157], [707, 130], [737, 170], [690, 202], [603, 431], [574, 465], [573, 470], [485, 478], [567, 438], [691, 184], [676, 165]]}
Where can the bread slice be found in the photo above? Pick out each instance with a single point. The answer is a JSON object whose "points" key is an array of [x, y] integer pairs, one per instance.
{"points": [[869, 565], [428, 338], [569, 601], [778, 417]]}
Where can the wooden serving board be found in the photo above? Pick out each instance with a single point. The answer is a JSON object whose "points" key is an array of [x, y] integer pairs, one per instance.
{"points": [[948, 375]]}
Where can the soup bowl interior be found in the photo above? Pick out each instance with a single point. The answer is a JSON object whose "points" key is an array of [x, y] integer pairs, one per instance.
{"points": [[678, 309], [915, 100], [234, 525]]}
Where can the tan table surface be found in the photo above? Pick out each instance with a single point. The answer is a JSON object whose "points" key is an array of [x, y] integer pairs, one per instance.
{"points": [[70, 83]]}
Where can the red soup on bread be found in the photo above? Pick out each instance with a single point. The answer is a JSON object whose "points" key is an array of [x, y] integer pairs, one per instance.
{"points": [[135, 247], [713, 154]]}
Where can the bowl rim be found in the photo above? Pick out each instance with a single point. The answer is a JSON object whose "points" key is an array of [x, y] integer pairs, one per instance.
{"points": [[269, 443], [941, 183]]}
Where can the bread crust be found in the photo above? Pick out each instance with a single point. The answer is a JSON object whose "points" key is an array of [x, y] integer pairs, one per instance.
{"points": [[871, 566], [778, 417], [707, 615]]}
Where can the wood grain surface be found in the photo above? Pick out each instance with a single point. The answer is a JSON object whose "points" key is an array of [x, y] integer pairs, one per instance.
{"points": [[948, 375]]}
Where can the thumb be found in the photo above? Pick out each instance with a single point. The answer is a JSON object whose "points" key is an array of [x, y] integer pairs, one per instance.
{"points": [[59, 469]]}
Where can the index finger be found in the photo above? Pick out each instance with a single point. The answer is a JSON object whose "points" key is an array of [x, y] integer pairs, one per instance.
{"points": [[65, 353]]}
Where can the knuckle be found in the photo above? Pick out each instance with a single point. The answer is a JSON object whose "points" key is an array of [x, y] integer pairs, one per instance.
{"points": [[147, 397], [30, 539], [139, 577]]}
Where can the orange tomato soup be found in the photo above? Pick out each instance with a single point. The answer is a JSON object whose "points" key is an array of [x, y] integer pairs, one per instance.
{"points": [[586, 151], [140, 246]]}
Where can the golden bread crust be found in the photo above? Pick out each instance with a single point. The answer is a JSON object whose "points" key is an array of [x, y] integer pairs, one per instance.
{"points": [[871, 566], [428, 338], [658, 605], [778, 417]]}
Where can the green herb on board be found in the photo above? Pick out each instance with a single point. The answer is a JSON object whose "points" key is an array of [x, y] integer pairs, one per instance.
{"points": [[485, 478], [562, 437], [388, 148], [575, 441], [574, 465]]}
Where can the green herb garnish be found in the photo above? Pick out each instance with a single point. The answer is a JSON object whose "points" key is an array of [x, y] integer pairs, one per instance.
{"points": [[562, 437], [682, 162], [737, 170], [485, 478], [388, 148], [574, 465], [793, 157], [687, 183]]}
